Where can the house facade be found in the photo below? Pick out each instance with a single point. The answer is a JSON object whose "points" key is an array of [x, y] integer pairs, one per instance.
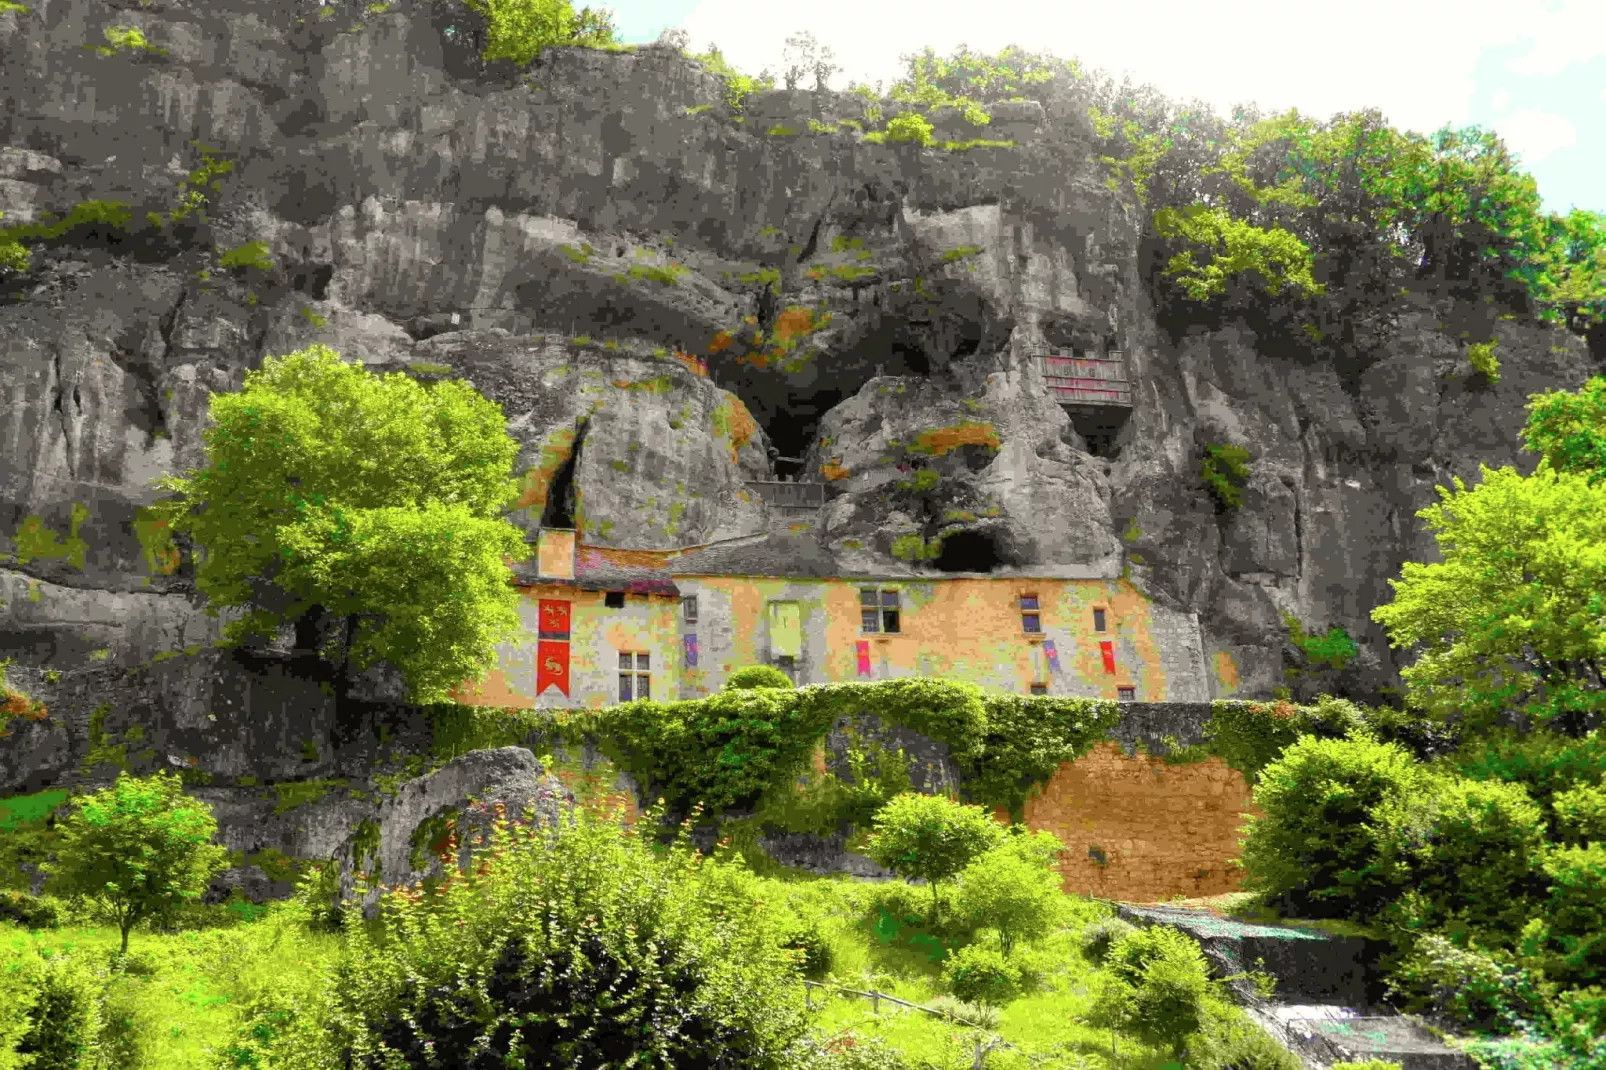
{"points": [[606, 625]]}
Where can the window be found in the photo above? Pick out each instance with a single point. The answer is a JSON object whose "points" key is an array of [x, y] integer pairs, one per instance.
{"points": [[637, 684], [1098, 620], [688, 609], [1126, 694], [614, 600], [1039, 689], [878, 611], [1031, 621]]}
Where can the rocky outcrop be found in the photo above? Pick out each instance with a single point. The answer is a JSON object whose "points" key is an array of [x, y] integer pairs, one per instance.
{"points": [[871, 310], [403, 842]]}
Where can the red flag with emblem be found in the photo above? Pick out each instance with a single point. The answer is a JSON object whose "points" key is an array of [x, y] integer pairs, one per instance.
{"points": [[551, 666], [554, 619]]}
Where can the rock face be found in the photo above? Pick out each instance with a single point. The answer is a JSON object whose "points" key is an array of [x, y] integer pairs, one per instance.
{"points": [[870, 310], [467, 789]]}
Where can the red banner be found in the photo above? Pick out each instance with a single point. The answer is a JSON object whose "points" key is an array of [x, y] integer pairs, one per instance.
{"points": [[551, 666], [864, 657], [1108, 650], [554, 622]]}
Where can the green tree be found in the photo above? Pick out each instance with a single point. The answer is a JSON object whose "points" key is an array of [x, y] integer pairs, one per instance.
{"points": [[1321, 840], [1011, 892], [1156, 986], [1514, 617], [136, 850], [363, 510], [519, 30], [1568, 428], [931, 838]]}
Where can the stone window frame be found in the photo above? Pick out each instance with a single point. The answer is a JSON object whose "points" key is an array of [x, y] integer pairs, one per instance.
{"points": [[880, 616], [1037, 688], [1031, 616], [1126, 693], [1100, 619], [635, 675], [688, 608]]}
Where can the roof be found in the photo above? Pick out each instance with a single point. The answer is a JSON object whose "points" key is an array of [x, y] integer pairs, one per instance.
{"points": [[598, 568], [799, 556]]}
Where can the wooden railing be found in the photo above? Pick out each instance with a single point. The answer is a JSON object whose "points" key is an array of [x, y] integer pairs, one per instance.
{"points": [[1087, 380], [793, 495]]}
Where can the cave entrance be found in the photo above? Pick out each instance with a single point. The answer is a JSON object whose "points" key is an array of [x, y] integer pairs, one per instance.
{"points": [[1100, 427], [558, 511], [969, 551]]}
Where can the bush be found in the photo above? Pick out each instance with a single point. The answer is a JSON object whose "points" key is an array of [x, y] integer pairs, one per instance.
{"points": [[845, 1051], [981, 975], [808, 938], [1578, 1022], [1569, 938], [567, 946], [1230, 1041], [29, 911], [1225, 470], [1479, 863], [752, 676], [1322, 845], [910, 126], [932, 838], [137, 850], [1016, 895], [1580, 814], [1098, 938], [1156, 987], [1468, 986], [64, 1029]]}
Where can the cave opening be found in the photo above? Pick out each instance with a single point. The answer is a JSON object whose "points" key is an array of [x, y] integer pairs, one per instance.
{"points": [[560, 497], [969, 551]]}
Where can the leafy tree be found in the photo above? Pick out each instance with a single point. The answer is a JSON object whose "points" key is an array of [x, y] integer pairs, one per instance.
{"points": [[519, 30], [1514, 617], [1274, 259], [577, 946], [805, 55], [1321, 841], [1569, 429], [1013, 893], [333, 496], [931, 838], [1156, 986], [136, 850], [982, 975]]}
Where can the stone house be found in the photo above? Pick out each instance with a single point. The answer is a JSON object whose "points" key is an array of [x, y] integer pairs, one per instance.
{"points": [[605, 625]]}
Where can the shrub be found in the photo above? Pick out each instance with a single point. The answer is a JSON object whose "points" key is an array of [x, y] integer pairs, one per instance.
{"points": [[520, 30], [1014, 894], [1543, 762], [1479, 862], [65, 1023], [752, 676], [1468, 986], [1580, 814], [565, 947], [845, 1051], [29, 911], [910, 126], [807, 937], [1225, 470], [1156, 987], [931, 838], [1322, 844], [1569, 938], [136, 850], [1483, 360], [1231, 1041], [1578, 1021], [1098, 938], [981, 975]]}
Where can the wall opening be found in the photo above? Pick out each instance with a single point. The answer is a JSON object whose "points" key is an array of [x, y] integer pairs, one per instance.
{"points": [[969, 551], [560, 496]]}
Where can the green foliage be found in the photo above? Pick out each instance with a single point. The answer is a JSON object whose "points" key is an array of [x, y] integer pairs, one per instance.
{"points": [[1568, 938], [566, 947], [1271, 259], [293, 794], [105, 216], [119, 38], [372, 500], [1156, 986], [1334, 650], [931, 838], [750, 676], [738, 86], [1466, 985], [1481, 357], [253, 254], [1568, 428], [1581, 814], [7, 6], [519, 30], [136, 850], [1025, 740], [65, 1022], [1511, 619], [1225, 470], [1320, 844], [28, 911], [1018, 896], [1099, 937], [981, 975], [910, 126]]}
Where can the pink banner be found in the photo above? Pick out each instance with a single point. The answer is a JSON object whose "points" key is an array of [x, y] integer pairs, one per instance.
{"points": [[864, 657]]}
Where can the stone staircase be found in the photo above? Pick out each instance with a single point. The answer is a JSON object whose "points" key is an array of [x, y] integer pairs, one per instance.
{"points": [[1322, 1009]]}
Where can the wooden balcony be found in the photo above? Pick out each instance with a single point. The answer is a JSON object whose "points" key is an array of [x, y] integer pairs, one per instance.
{"points": [[1087, 382]]}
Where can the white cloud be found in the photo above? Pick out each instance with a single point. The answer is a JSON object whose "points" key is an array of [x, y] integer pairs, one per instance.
{"points": [[1277, 53], [1573, 33], [1500, 99], [1535, 134]]}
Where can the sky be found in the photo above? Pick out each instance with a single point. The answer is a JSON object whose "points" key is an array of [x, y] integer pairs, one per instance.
{"points": [[1534, 71]]}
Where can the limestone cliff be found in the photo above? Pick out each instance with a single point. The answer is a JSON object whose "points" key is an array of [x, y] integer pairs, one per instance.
{"points": [[423, 210]]}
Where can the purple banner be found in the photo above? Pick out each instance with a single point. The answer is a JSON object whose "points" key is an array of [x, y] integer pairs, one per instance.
{"points": [[690, 643], [1053, 655]]}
